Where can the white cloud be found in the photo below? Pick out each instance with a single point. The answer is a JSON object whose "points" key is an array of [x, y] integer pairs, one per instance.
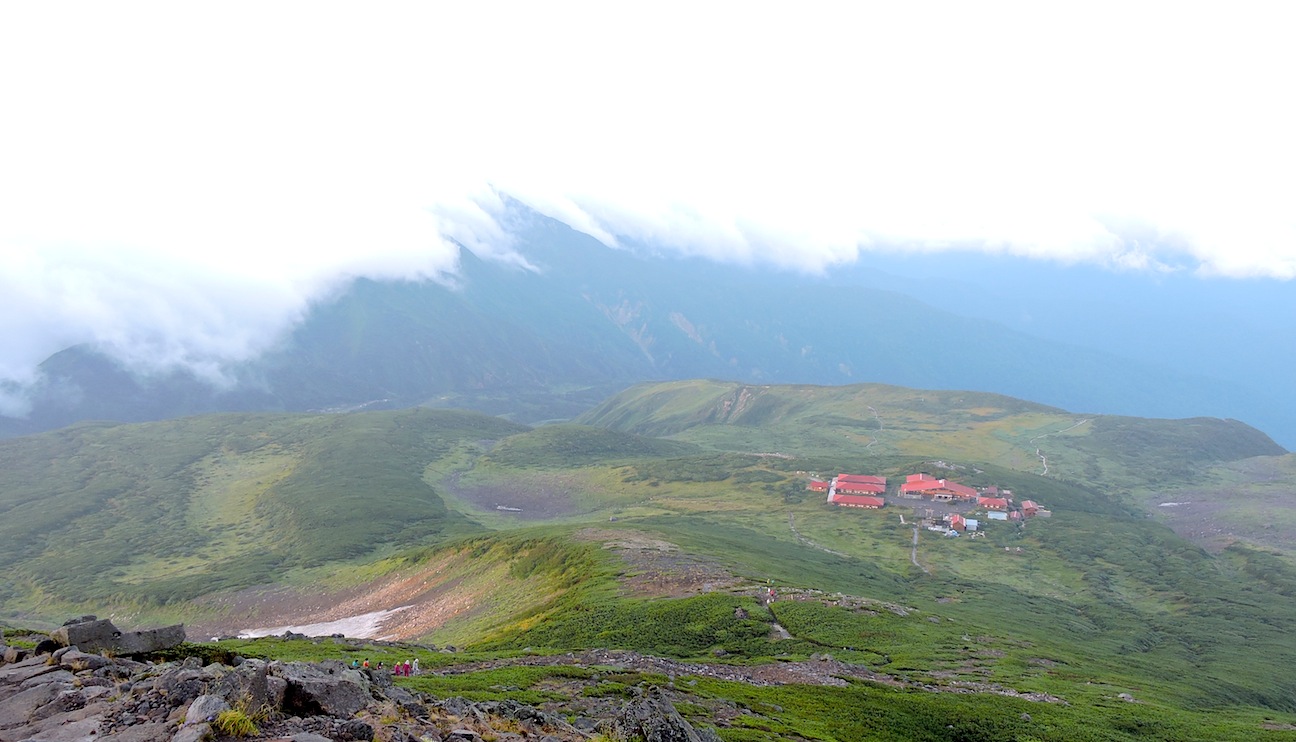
{"points": [[178, 182]]}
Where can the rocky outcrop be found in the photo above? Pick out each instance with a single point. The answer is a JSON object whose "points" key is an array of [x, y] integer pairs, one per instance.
{"points": [[653, 718], [71, 695], [91, 634]]}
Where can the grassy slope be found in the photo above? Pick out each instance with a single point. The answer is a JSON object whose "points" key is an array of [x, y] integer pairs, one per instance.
{"points": [[1099, 590], [867, 420], [163, 512], [1099, 601]]}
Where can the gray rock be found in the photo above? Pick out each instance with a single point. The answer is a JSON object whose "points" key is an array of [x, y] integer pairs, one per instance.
{"points": [[102, 635], [245, 684], [356, 730], [205, 708], [67, 700], [275, 689], [82, 730], [74, 659], [89, 636], [152, 640], [313, 690], [55, 675], [14, 654], [458, 706], [16, 710], [150, 732], [193, 733], [184, 692], [308, 737], [654, 718], [21, 670], [707, 734]]}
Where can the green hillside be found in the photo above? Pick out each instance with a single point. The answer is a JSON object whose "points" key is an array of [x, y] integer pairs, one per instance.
{"points": [[516, 542], [876, 420], [164, 512]]}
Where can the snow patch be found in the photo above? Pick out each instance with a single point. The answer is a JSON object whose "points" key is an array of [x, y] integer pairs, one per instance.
{"points": [[364, 626]]}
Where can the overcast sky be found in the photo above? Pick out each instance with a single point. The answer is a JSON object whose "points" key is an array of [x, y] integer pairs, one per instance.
{"points": [[179, 180]]}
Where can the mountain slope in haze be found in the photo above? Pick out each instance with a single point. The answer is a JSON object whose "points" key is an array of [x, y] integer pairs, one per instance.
{"points": [[550, 343], [1239, 331]]}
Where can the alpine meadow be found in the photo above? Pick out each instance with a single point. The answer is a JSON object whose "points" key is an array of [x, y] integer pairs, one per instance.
{"points": [[603, 372]]}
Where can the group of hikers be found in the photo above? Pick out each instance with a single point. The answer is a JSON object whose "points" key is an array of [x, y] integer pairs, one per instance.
{"points": [[405, 669]]}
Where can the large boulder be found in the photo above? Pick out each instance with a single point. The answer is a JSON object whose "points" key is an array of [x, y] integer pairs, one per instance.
{"points": [[100, 635], [150, 640], [246, 685], [653, 718], [321, 689], [88, 636]]}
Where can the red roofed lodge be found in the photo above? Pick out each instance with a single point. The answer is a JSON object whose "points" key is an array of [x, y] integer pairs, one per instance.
{"points": [[941, 490], [860, 479], [857, 501], [861, 484]]}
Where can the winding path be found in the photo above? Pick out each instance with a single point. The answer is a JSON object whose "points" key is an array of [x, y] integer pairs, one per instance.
{"points": [[913, 556], [1044, 459]]}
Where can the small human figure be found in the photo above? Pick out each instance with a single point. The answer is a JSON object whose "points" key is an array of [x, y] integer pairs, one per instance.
{"points": [[366, 663], [414, 666]]}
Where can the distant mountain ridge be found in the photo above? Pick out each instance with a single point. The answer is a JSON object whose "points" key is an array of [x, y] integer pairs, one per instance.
{"points": [[551, 344]]}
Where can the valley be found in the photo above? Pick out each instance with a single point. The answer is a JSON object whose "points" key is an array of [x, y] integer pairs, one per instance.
{"points": [[657, 524]]}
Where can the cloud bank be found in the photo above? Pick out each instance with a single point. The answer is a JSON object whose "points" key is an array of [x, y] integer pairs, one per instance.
{"points": [[177, 184]]}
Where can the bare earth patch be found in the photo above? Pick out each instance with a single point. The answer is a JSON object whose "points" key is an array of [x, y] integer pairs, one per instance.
{"points": [[659, 569], [400, 607], [538, 496]]}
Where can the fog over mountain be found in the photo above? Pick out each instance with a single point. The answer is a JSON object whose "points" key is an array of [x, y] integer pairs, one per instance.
{"points": [[183, 188]]}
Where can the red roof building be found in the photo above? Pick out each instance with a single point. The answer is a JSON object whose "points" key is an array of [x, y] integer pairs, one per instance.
{"points": [[937, 489], [957, 522], [857, 501], [861, 488], [817, 485], [1029, 508], [993, 503], [860, 479], [920, 478]]}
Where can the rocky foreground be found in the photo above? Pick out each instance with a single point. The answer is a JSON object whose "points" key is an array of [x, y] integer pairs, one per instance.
{"points": [[58, 693]]}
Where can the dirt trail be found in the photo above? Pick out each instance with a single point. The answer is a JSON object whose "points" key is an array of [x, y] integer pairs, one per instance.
{"points": [[825, 671], [1043, 459], [913, 556]]}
